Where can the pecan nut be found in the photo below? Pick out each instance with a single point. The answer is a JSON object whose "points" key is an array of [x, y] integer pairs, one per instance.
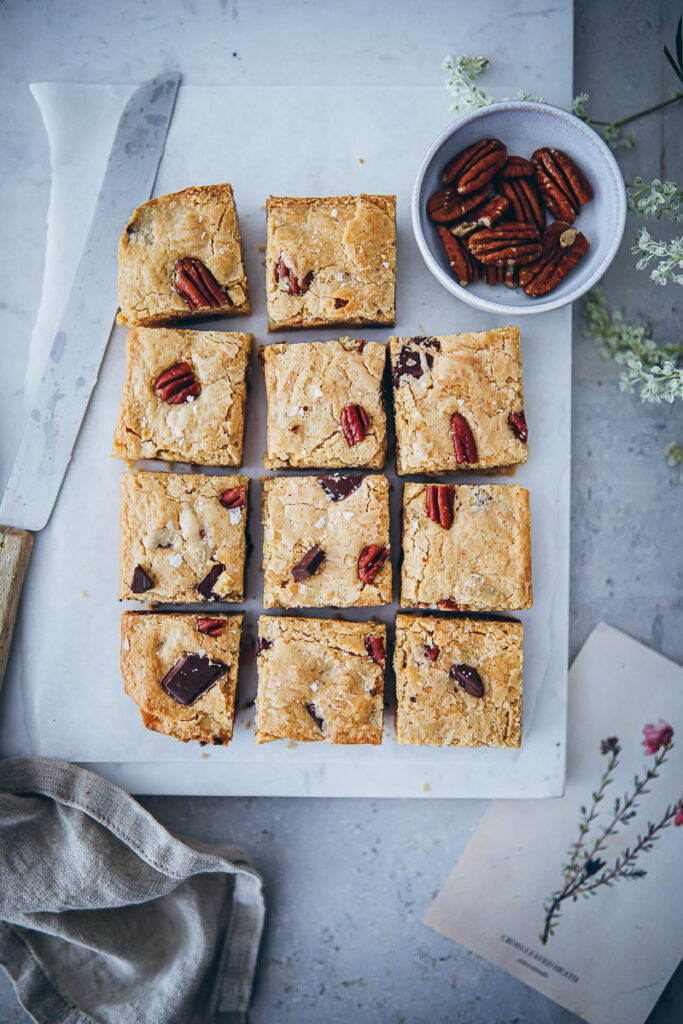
{"points": [[374, 645], [485, 216], [562, 184], [446, 205], [491, 274], [517, 167], [517, 424], [354, 422], [460, 261], [468, 677], [371, 560], [287, 281], [439, 504], [177, 384], [233, 497], [306, 566], [464, 445], [197, 286], [563, 248], [525, 200], [211, 627], [512, 243], [475, 166]]}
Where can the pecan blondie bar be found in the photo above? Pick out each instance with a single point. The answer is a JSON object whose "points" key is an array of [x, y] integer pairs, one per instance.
{"points": [[320, 680], [325, 404], [466, 548], [181, 671], [458, 401], [331, 261], [326, 541], [180, 256], [183, 537], [184, 396], [458, 682]]}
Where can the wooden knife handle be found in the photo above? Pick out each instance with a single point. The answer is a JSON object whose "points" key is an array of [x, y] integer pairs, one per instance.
{"points": [[15, 551]]}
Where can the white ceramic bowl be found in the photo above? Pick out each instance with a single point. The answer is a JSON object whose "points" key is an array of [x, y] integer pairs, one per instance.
{"points": [[523, 127]]}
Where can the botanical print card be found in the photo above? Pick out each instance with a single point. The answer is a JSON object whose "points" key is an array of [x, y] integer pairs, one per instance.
{"points": [[580, 896]]}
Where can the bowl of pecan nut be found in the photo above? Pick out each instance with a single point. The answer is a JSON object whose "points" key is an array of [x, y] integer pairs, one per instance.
{"points": [[518, 207]]}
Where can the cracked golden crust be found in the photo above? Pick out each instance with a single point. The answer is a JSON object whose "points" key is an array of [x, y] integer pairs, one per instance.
{"points": [[482, 563], [348, 243], [298, 515], [200, 223], [479, 375], [323, 663], [208, 430], [308, 385], [175, 528], [151, 644], [432, 709]]}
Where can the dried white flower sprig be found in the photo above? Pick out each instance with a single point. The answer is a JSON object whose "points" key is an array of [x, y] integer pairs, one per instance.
{"points": [[463, 72], [656, 199], [654, 371], [669, 256]]}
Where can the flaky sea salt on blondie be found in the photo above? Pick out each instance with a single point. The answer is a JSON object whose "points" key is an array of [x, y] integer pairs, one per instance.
{"points": [[326, 541], [466, 547], [320, 679], [183, 537], [180, 256], [331, 261], [458, 682], [458, 401], [184, 398], [325, 404], [181, 671]]}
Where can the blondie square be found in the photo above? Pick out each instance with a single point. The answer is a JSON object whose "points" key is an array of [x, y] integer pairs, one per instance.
{"points": [[331, 261], [183, 537], [320, 680], [458, 401], [181, 671], [180, 256], [466, 548], [184, 396], [458, 682], [325, 404], [326, 541]]}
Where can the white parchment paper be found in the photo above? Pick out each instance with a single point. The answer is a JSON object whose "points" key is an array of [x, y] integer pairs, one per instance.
{"points": [[64, 695]]}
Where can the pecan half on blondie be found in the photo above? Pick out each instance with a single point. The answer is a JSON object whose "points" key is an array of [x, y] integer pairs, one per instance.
{"points": [[331, 261], [180, 256]]}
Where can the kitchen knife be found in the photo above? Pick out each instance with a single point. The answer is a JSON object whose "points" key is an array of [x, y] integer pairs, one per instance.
{"points": [[73, 364]]}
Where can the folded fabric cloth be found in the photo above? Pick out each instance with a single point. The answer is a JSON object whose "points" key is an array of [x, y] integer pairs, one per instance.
{"points": [[107, 917]]}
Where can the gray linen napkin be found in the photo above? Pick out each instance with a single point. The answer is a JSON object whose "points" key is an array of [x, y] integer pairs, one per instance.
{"points": [[106, 918]]}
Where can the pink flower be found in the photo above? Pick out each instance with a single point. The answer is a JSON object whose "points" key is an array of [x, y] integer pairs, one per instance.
{"points": [[678, 820], [657, 736]]}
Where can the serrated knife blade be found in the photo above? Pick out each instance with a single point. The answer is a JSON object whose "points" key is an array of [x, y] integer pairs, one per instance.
{"points": [[74, 361]]}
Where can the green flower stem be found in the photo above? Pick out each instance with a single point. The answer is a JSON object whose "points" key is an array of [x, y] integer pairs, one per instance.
{"points": [[639, 789], [632, 855], [590, 817], [641, 113]]}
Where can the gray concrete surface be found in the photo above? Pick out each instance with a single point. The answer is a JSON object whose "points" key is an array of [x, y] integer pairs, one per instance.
{"points": [[348, 881]]}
